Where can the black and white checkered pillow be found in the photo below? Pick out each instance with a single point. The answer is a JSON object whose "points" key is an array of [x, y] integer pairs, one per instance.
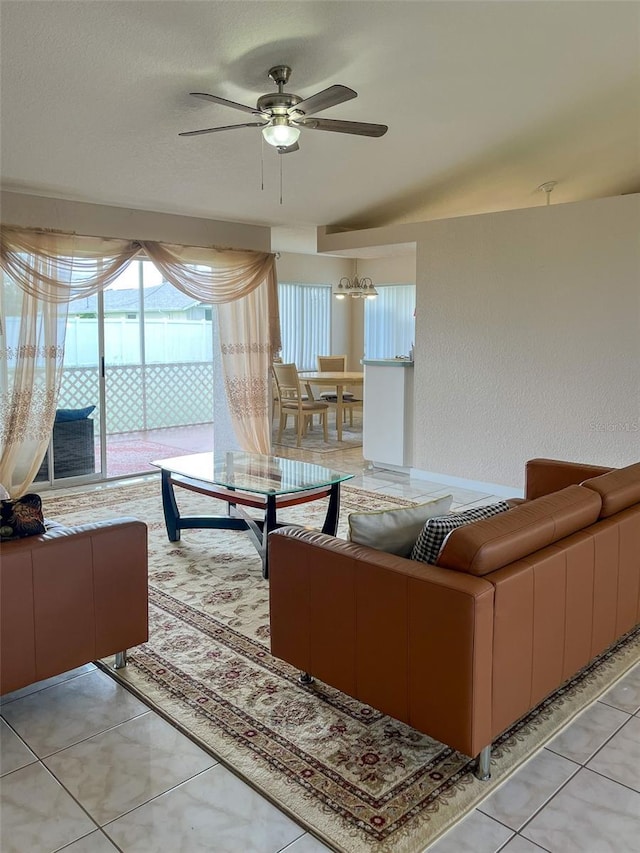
{"points": [[431, 539]]}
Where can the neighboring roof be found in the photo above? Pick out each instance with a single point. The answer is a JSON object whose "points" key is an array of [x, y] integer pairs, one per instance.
{"points": [[162, 297]]}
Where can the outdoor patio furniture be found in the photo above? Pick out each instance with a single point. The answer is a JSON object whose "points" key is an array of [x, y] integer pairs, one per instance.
{"points": [[73, 450]]}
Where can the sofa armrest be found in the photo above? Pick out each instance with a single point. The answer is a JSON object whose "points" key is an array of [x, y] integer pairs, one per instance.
{"points": [[56, 531], [544, 476], [408, 638], [70, 596]]}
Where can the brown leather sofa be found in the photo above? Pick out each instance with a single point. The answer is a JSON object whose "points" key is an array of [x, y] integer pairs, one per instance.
{"points": [[70, 596], [517, 604]]}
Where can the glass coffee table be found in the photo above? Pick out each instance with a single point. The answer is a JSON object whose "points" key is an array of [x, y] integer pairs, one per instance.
{"points": [[247, 480]]}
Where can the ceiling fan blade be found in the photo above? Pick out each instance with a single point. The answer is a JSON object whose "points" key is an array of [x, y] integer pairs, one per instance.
{"points": [[225, 103], [359, 128], [227, 127], [288, 149], [325, 99]]}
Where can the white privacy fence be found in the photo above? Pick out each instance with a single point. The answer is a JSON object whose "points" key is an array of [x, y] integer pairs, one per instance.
{"points": [[166, 340], [173, 388]]}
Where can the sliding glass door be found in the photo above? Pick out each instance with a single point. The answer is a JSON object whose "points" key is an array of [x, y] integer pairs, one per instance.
{"points": [[137, 383], [158, 368]]}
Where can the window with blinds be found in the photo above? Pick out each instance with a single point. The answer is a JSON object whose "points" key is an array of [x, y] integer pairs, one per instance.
{"points": [[389, 321], [305, 323]]}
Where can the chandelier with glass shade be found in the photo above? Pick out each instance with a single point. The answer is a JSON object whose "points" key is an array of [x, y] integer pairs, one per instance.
{"points": [[355, 287]]}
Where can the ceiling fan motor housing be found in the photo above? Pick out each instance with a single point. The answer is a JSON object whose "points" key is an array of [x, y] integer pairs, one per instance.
{"points": [[278, 103]]}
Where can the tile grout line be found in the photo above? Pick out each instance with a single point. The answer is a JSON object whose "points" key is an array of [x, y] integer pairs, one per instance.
{"points": [[157, 796], [546, 802], [604, 742], [4, 703], [71, 843], [580, 766], [40, 759]]}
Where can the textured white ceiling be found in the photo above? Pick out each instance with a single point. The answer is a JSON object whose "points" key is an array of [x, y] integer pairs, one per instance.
{"points": [[484, 101]]}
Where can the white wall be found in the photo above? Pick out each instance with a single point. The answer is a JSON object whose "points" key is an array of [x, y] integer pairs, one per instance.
{"points": [[99, 220], [397, 269], [528, 339]]}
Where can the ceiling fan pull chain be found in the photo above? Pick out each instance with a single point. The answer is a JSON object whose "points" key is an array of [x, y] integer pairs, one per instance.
{"points": [[262, 163], [280, 158]]}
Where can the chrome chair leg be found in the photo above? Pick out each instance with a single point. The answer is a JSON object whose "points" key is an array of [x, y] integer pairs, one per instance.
{"points": [[305, 678], [121, 660]]}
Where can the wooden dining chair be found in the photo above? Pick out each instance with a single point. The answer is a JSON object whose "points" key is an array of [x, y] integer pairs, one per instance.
{"points": [[275, 395], [333, 363], [338, 364], [293, 401]]}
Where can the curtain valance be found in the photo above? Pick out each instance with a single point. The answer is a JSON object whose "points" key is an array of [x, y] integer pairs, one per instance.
{"points": [[58, 267]]}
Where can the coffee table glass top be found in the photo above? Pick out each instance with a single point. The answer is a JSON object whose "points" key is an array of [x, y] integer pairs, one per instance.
{"points": [[252, 472]]}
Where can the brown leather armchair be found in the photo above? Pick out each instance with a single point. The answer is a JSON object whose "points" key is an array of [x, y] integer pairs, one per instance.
{"points": [[70, 596]]}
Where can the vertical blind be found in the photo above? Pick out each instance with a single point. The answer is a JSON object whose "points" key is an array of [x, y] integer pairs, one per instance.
{"points": [[305, 323], [389, 321]]}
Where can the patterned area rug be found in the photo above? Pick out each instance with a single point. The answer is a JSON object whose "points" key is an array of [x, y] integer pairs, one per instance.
{"points": [[313, 441], [359, 780]]}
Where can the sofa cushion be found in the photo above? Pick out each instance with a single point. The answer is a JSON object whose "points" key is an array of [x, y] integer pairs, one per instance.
{"points": [[618, 489], [22, 517], [73, 414], [395, 530], [435, 531], [490, 544]]}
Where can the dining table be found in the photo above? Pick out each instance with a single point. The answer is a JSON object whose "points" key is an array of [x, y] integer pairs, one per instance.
{"points": [[337, 379]]}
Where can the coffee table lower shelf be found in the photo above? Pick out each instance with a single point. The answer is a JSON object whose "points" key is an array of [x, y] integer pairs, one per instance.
{"points": [[237, 517]]}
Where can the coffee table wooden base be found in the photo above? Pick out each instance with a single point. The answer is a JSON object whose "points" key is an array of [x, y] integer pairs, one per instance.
{"points": [[238, 518]]}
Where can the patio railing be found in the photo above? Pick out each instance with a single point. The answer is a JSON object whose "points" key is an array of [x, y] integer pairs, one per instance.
{"points": [[139, 398]]}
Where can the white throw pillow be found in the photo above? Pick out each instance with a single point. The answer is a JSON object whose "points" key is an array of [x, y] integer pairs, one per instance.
{"points": [[395, 530]]}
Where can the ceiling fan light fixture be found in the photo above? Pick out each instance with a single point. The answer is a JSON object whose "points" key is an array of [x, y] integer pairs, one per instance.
{"points": [[280, 133]]}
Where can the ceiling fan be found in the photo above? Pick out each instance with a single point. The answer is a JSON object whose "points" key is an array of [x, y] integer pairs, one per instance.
{"points": [[282, 114]]}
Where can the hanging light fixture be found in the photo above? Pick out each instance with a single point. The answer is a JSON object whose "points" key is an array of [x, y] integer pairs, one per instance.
{"points": [[355, 287], [280, 133], [547, 187]]}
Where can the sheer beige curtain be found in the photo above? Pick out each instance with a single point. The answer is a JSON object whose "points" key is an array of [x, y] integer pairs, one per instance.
{"points": [[247, 355], [31, 350], [44, 271], [244, 287], [41, 273]]}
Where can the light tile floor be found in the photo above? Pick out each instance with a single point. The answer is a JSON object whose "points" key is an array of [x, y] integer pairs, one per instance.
{"points": [[87, 768]]}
